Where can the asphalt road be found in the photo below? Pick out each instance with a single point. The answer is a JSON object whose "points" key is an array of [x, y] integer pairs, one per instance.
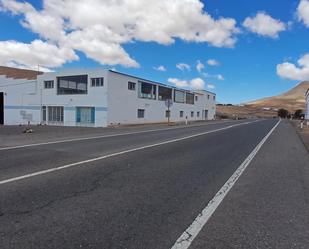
{"points": [[143, 196]]}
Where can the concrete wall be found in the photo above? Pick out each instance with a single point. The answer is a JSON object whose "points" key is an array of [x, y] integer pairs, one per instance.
{"points": [[113, 103], [123, 104], [21, 102], [96, 97]]}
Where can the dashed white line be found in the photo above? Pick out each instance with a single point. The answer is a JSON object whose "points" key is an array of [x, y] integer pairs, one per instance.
{"points": [[14, 179], [103, 136], [185, 240]]}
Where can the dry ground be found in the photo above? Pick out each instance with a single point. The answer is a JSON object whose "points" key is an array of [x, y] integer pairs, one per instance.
{"points": [[303, 133], [244, 111]]}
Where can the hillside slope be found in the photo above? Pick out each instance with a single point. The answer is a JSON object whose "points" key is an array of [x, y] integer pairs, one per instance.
{"points": [[291, 100]]}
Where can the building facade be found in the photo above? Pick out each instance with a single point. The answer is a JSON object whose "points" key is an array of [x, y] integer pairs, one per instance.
{"points": [[99, 98]]}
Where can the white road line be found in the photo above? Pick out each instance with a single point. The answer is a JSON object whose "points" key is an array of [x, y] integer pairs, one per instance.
{"points": [[185, 240], [104, 136], [14, 179]]}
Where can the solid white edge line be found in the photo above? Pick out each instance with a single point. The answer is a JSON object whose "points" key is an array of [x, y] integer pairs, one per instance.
{"points": [[117, 154], [105, 136], [187, 237]]}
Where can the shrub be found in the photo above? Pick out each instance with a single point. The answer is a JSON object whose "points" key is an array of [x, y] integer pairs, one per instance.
{"points": [[283, 113]]}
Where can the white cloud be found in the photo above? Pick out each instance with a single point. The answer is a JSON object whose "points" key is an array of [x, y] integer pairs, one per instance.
{"points": [[101, 28], [264, 25], [211, 86], [220, 77], [213, 62], [195, 84], [214, 76], [291, 71], [183, 67], [200, 66], [178, 82], [33, 54], [160, 68], [303, 12]]}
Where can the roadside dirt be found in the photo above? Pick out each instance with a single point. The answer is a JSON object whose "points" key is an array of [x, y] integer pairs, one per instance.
{"points": [[303, 133]]}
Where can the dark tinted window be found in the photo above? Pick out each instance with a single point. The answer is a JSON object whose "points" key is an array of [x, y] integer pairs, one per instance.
{"points": [[179, 96], [165, 93], [147, 90], [76, 84], [190, 98]]}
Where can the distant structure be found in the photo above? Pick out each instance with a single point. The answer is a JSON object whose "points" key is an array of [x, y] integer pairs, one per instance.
{"points": [[96, 98]]}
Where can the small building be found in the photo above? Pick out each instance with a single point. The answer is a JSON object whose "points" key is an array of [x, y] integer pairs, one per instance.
{"points": [[98, 98]]}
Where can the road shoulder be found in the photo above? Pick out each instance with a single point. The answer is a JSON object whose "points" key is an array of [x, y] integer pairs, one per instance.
{"points": [[269, 205]]}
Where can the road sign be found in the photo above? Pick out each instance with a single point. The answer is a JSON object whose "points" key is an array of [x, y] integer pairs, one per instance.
{"points": [[168, 103]]}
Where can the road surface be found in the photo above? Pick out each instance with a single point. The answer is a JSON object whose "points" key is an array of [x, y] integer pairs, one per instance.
{"points": [[144, 188]]}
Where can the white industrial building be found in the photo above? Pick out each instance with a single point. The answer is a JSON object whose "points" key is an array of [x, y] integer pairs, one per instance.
{"points": [[97, 98]]}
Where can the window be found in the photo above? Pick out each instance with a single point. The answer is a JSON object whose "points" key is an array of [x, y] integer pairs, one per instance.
{"points": [[97, 82], [141, 113], [198, 114], [214, 97], [147, 90], [192, 114], [55, 114], [48, 84], [190, 98], [208, 96], [196, 98], [131, 86], [85, 115], [179, 96], [164, 93], [181, 114], [168, 113], [72, 84]]}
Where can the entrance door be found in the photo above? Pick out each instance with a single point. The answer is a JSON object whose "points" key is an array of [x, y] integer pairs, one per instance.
{"points": [[206, 114], [1, 108], [85, 115]]}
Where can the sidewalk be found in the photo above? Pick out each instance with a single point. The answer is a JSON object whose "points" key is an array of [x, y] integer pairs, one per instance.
{"points": [[269, 205]]}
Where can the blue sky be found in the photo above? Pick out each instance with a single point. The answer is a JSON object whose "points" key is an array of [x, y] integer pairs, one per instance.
{"points": [[249, 65]]}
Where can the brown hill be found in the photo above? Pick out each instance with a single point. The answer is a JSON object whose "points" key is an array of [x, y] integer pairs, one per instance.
{"points": [[291, 100]]}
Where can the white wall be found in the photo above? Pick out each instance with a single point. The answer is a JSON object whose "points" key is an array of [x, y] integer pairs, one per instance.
{"points": [[114, 103], [96, 97], [21, 103], [123, 104]]}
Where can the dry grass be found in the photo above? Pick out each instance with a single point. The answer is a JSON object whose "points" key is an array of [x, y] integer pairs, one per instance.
{"points": [[244, 111]]}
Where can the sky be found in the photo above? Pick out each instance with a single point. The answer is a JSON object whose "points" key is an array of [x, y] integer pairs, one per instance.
{"points": [[241, 50]]}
